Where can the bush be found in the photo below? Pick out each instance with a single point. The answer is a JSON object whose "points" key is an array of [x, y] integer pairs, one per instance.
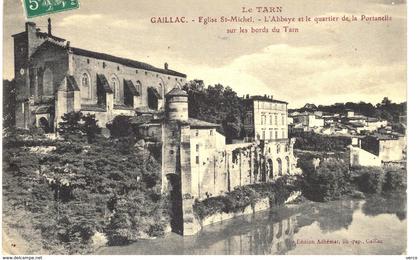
{"points": [[241, 197], [395, 179], [369, 179], [330, 181], [69, 192], [208, 207], [317, 142]]}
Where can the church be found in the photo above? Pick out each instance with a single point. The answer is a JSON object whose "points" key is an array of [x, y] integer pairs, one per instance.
{"points": [[53, 78]]}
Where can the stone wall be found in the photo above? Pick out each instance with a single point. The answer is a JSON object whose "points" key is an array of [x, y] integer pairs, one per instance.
{"points": [[218, 171], [143, 78]]}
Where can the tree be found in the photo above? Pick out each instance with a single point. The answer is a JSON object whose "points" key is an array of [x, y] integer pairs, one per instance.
{"points": [[90, 127], [70, 126], [330, 181], [217, 104], [120, 127], [75, 125], [9, 103], [395, 179], [369, 179]]}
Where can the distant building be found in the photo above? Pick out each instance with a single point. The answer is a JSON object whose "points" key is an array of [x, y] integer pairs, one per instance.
{"points": [[265, 118], [378, 149], [388, 148], [307, 121]]}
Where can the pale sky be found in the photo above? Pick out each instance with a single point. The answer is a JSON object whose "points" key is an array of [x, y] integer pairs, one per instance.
{"points": [[321, 64]]}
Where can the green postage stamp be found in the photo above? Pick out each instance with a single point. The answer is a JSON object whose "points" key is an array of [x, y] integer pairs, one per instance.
{"points": [[42, 7]]}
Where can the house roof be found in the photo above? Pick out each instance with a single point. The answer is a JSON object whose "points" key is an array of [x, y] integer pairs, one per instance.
{"points": [[372, 119], [357, 124], [262, 98], [196, 123], [43, 110], [357, 117], [382, 136], [145, 110], [124, 61]]}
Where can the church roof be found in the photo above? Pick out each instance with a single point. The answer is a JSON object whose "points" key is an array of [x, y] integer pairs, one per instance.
{"points": [[124, 61], [177, 92], [45, 35], [70, 84], [131, 88], [104, 83], [154, 92]]}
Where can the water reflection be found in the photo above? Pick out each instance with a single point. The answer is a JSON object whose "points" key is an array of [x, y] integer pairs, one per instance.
{"points": [[277, 231], [394, 204]]}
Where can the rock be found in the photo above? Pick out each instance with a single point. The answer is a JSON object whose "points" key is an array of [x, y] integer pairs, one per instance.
{"points": [[99, 240], [294, 196], [358, 195]]}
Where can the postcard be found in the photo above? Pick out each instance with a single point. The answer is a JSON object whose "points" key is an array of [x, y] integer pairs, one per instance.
{"points": [[204, 127]]}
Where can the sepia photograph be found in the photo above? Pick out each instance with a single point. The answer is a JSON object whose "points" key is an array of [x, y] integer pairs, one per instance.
{"points": [[204, 127]]}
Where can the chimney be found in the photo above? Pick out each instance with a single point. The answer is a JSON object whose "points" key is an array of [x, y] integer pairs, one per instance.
{"points": [[68, 45], [49, 26], [30, 26], [166, 66]]}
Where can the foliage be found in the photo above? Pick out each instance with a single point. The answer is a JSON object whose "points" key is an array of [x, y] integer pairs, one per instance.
{"points": [[386, 110], [216, 104], [317, 142], [120, 127], [74, 125], [70, 124], [369, 179], [90, 127], [78, 189], [208, 207], [9, 103], [241, 197], [393, 203], [123, 133], [395, 180], [329, 181]]}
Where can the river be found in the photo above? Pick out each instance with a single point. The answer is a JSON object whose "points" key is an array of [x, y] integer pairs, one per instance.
{"points": [[371, 226]]}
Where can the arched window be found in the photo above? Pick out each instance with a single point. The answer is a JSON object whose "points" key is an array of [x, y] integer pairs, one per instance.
{"points": [[161, 89], [115, 85], [86, 86], [139, 87], [47, 83]]}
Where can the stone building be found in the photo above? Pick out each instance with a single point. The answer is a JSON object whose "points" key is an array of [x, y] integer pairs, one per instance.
{"points": [[378, 149], [265, 119], [198, 164], [53, 78]]}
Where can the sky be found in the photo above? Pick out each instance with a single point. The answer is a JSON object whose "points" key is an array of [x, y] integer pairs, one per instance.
{"points": [[323, 63]]}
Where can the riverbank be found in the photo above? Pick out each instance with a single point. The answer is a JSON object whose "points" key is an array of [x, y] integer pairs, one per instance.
{"points": [[277, 230]]}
